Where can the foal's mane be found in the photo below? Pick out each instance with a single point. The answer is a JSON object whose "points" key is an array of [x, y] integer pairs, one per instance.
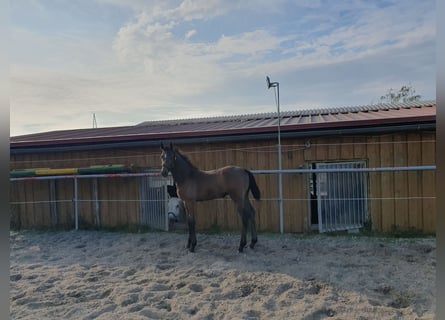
{"points": [[185, 158]]}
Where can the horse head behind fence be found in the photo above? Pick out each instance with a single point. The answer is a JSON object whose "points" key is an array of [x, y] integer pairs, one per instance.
{"points": [[176, 210]]}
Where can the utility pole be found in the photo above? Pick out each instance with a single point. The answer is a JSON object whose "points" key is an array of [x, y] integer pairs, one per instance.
{"points": [[94, 121]]}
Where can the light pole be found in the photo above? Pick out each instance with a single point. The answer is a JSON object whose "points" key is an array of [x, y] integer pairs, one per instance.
{"points": [[280, 175]]}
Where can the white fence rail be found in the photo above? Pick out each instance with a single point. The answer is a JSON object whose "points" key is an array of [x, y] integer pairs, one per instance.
{"points": [[154, 203]]}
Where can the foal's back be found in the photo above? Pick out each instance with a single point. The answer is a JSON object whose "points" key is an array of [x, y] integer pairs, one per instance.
{"points": [[218, 183]]}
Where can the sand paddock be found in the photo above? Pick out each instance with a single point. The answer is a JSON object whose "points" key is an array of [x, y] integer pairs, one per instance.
{"points": [[106, 275]]}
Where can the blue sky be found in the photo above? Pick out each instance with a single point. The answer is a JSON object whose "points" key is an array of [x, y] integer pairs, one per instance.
{"points": [[133, 61]]}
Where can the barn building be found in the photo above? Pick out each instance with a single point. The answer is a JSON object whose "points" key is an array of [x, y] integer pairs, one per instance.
{"points": [[351, 139]]}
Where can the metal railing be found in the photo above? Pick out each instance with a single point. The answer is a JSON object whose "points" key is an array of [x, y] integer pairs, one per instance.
{"points": [[322, 215]]}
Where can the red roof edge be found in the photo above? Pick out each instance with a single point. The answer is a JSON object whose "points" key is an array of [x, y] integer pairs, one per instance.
{"points": [[224, 132]]}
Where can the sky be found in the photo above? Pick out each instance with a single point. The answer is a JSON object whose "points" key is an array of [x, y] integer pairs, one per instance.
{"points": [[126, 62]]}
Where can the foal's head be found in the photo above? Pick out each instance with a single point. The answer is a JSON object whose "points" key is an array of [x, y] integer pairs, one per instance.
{"points": [[168, 158]]}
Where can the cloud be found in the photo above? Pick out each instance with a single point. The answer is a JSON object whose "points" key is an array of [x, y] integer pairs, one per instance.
{"points": [[135, 5], [168, 60], [200, 9], [247, 43], [190, 34], [189, 66], [173, 59], [150, 42]]}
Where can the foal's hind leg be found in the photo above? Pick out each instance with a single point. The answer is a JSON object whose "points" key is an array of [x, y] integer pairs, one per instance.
{"points": [[242, 206], [252, 225], [245, 221]]}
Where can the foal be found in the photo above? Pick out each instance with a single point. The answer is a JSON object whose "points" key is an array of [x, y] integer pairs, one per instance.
{"points": [[196, 185]]}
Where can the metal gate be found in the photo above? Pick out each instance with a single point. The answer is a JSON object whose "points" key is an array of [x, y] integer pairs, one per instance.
{"points": [[154, 199], [341, 197]]}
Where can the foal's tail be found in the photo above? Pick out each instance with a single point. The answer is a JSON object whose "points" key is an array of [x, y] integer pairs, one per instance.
{"points": [[253, 186]]}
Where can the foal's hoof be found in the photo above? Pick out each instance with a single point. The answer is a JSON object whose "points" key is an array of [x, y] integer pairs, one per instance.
{"points": [[191, 247], [253, 242]]}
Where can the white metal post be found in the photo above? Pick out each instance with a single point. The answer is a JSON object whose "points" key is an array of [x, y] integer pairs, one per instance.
{"points": [[96, 202], [280, 174], [76, 205]]}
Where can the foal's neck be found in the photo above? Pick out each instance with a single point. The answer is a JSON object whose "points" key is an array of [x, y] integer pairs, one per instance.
{"points": [[183, 169]]}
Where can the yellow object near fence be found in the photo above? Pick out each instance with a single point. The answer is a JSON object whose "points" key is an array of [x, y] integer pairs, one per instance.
{"points": [[56, 172]]}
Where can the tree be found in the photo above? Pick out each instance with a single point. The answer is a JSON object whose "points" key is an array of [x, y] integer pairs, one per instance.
{"points": [[405, 94]]}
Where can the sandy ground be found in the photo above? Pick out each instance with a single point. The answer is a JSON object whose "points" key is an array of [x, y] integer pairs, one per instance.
{"points": [[105, 275]]}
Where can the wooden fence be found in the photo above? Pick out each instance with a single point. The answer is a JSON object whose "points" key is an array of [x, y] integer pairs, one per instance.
{"points": [[402, 199]]}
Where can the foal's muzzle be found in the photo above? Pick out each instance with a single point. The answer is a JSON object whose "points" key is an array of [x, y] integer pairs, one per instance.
{"points": [[164, 172]]}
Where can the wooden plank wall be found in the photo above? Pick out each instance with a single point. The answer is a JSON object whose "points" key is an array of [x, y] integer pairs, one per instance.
{"points": [[402, 199]]}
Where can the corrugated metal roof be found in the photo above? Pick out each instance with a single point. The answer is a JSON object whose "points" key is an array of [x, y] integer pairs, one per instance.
{"points": [[298, 120]]}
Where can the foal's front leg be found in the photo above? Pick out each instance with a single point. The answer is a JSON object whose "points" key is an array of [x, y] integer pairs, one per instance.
{"points": [[191, 242]]}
